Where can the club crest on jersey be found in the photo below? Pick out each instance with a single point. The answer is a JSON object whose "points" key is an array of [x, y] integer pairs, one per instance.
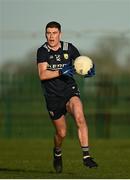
{"points": [[66, 56]]}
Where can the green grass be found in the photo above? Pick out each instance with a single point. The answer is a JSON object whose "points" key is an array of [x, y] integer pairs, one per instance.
{"points": [[32, 158]]}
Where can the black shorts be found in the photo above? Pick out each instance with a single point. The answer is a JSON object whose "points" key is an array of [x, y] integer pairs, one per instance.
{"points": [[56, 105]]}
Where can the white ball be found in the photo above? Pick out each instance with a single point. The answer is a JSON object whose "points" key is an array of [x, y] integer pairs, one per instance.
{"points": [[83, 64]]}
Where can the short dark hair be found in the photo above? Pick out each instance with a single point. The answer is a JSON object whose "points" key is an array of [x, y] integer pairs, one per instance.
{"points": [[53, 24]]}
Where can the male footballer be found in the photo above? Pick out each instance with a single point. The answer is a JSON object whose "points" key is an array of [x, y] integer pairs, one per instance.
{"points": [[54, 61]]}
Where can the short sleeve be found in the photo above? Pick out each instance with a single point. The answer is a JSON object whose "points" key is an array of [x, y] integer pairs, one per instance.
{"points": [[42, 55], [74, 52]]}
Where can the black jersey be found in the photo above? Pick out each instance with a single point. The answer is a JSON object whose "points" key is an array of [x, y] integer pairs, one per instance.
{"points": [[57, 59]]}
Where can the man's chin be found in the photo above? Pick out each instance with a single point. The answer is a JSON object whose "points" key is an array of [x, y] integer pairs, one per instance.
{"points": [[51, 45]]}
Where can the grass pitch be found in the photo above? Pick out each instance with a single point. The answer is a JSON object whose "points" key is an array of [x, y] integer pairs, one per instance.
{"points": [[32, 158]]}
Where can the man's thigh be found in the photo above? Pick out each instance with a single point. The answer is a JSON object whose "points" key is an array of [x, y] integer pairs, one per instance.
{"points": [[60, 123], [74, 106]]}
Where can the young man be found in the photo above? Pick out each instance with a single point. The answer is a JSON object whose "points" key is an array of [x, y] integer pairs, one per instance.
{"points": [[54, 59]]}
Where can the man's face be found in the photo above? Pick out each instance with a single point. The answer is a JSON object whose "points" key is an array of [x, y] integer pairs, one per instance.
{"points": [[53, 36]]}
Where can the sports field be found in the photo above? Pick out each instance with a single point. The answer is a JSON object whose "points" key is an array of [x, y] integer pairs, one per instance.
{"points": [[32, 158]]}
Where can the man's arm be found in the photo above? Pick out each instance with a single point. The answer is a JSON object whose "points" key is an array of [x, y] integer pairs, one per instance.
{"points": [[45, 74]]}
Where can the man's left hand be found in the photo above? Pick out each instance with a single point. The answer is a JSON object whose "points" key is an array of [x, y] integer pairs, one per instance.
{"points": [[91, 72]]}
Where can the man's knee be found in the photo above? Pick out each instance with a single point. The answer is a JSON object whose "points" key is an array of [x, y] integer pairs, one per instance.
{"points": [[62, 133]]}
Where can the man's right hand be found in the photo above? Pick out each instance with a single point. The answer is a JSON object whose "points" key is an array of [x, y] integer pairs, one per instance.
{"points": [[67, 70]]}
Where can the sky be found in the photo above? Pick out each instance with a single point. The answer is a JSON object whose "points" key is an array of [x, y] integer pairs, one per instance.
{"points": [[22, 23]]}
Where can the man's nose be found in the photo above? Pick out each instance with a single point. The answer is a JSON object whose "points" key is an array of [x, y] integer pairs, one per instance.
{"points": [[51, 36]]}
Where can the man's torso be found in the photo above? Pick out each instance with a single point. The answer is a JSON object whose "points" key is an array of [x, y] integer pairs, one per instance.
{"points": [[56, 60]]}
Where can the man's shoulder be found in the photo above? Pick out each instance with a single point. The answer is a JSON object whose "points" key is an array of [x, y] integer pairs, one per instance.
{"points": [[43, 47], [66, 42], [67, 45]]}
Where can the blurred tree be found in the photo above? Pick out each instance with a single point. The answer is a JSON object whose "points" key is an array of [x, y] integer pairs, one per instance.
{"points": [[107, 96], [112, 55]]}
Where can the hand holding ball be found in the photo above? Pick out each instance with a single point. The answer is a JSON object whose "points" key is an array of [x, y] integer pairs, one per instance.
{"points": [[84, 66]]}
